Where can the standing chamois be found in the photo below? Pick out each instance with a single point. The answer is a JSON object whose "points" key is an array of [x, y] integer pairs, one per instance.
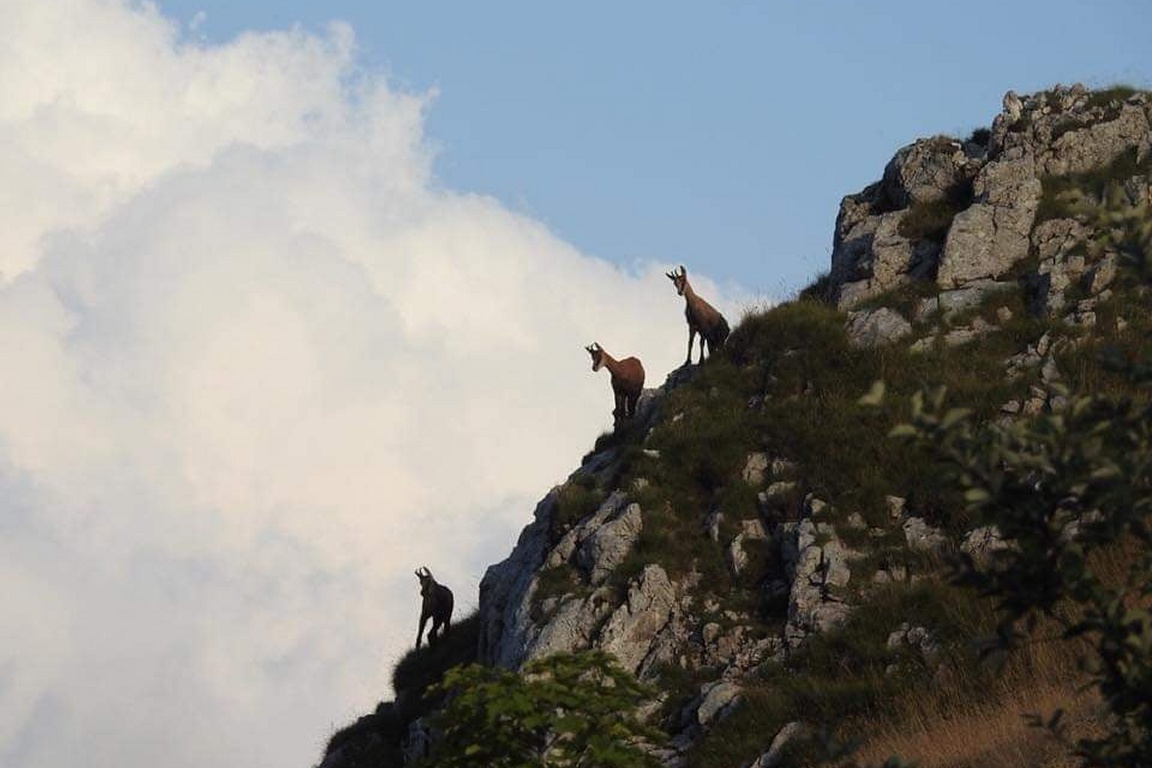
{"points": [[702, 317], [627, 381], [437, 605]]}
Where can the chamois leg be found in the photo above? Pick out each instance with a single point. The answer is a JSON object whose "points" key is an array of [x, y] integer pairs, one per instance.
{"points": [[631, 405], [691, 339], [420, 630], [618, 412]]}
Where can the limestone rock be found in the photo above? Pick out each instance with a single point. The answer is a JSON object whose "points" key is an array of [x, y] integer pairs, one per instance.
{"points": [[970, 296], [1054, 133], [922, 537], [922, 172], [981, 544], [755, 467], [571, 627], [817, 564], [875, 327], [718, 700], [920, 639], [750, 530], [506, 592], [993, 234], [775, 754], [632, 628], [1098, 143], [609, 543]]}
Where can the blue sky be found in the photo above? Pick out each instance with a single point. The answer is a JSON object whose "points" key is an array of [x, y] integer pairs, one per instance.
{"points": [[719, 134]]}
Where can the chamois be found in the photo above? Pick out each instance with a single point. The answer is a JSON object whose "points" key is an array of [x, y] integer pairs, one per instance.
{"points": [[437, 605], [702, 317], [627, 381]]}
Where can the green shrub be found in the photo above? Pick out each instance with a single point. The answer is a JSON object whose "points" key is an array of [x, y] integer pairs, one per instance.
{"points": [[562, 710]]}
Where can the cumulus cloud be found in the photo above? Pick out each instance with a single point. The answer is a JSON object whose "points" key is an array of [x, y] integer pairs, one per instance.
{"points": [[257, 367]]}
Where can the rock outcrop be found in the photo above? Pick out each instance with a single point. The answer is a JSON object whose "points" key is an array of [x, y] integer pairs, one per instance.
{"points": [[975, 223], [962, 212]]}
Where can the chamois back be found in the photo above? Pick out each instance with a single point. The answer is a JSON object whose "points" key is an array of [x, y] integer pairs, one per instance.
{"points": [[627, 381]]}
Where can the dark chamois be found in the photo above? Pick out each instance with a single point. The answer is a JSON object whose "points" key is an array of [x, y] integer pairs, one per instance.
{"points": [[702, 317], [627, 381], [437, 605]]}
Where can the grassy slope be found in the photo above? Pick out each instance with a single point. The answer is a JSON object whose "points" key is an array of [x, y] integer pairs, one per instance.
{"points": [[788, 385]]}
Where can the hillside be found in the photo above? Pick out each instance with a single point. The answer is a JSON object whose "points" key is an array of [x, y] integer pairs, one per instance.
{"points": [[754, 543]]}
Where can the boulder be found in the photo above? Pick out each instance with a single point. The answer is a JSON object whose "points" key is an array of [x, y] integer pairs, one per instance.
{"points": [[922, 537], [609, 543], [925, 171], [993, 233], [631, 630], [717, 701], [775, 755], [876, 327], [817, 565]]}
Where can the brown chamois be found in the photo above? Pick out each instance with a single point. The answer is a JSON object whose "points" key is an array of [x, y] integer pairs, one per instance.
{"points": [[627, 381], [702, 317], [437, 605]]}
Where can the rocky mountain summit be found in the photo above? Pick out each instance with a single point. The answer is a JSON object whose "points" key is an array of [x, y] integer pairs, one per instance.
{"points": [[964, 213], [752, 544]]}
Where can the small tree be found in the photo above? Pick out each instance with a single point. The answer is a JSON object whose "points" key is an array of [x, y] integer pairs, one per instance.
{"points": [[1059, 488], [566, 710]]}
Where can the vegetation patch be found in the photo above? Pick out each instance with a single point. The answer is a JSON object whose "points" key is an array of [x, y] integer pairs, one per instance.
{"points": [[931, 220], [980, 136], [575, 500], [1111, 98], [419, 670]]}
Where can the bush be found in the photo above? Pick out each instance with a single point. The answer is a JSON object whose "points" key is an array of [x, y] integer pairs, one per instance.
{"points": [[563, 710]]}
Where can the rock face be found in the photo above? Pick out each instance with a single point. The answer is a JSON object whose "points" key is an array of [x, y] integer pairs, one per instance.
{"points": [[817, 563], [986, 239], [988, 189]]}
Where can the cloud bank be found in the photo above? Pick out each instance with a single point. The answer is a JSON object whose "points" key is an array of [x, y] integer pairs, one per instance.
{"points": [[257, 367]]}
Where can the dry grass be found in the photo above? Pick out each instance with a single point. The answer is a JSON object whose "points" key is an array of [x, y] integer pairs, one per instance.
{"points": [[991, 734], [941, 728]]}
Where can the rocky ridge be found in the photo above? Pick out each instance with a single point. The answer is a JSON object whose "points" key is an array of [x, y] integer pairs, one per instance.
{"points": [[956, 240], [964, 214]]}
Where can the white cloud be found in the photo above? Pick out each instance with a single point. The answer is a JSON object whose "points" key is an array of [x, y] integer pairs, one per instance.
{"points": [[256, 369]]}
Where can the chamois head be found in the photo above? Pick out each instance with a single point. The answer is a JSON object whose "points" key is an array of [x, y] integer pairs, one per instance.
{"points": [[679, 280], [597, 355], [426, 580]]}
